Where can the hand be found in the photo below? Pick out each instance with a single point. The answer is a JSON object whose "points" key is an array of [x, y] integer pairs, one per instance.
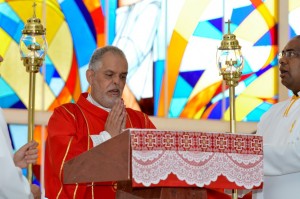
{"points": [[116, 120], [36, 192], [27, 154]]}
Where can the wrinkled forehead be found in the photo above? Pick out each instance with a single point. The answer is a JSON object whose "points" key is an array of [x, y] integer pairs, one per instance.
{"points": [[293, 44], [111, 59]]}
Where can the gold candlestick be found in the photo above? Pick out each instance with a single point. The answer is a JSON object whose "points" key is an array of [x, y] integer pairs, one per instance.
{"points": [[230, 63], [33, 48]]}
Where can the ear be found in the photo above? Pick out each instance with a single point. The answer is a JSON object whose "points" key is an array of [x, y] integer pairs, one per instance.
{"points": [[89, 75]]}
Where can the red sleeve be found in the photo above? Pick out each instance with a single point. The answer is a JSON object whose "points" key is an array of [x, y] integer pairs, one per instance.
{"points": [[62, 144]]}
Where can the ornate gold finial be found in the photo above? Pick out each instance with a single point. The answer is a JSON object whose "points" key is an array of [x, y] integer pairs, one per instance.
{"points": [[33, 25], [229, 41], [34, 7], [228, 22]]}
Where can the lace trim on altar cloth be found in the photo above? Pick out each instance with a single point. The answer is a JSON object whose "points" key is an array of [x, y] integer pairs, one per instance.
{"points": [[196, 167]]}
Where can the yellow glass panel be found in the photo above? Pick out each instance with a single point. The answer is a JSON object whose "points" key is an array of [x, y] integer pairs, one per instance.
{"points": [[191, 11], [61, 51], [5, 42], [256, 89]]}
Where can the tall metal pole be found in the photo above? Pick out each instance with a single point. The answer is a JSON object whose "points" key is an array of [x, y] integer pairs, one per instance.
{"points": [[232, 109], [232, 124], [31, 108]]}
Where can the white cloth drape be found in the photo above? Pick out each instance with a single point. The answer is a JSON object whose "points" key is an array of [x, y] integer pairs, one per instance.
{"points": [[13, 185]]}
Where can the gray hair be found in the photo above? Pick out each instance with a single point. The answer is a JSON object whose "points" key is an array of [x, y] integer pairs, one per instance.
{"points": [[99, 53]]}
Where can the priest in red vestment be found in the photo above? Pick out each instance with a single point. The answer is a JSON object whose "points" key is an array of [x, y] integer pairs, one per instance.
{"points": [[96, 117]]}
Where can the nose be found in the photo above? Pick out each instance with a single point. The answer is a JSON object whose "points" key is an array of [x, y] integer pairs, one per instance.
{"points": [[116, 80], [282, 61]]}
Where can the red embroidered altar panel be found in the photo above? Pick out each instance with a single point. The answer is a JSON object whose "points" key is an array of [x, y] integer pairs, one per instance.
{"points": [[177, 158]]}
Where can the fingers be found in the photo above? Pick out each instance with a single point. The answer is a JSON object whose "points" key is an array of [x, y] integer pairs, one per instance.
{"points": [[31, 154], [30, 145], [27, 154], [116, 119], [124, 120], [35, 190], [117, 110], [31, 151], [33, 144]]}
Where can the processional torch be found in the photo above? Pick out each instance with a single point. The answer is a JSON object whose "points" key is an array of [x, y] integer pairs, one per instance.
{"points": [[230, 63], [33, 48]]}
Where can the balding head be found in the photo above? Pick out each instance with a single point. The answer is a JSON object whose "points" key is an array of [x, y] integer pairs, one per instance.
{"points": [[98, 54]]}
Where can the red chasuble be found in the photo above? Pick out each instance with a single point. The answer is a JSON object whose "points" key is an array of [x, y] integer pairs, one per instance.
{"points": [[69, 131]]}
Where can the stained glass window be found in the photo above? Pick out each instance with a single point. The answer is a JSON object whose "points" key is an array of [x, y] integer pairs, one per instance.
{"points": [[170, 46]]}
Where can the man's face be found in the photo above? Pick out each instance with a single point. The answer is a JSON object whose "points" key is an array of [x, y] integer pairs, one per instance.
{"points": [[108, 81], [290, 65]]}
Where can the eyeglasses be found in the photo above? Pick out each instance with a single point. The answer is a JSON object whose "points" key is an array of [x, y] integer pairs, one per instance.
{"points": [[289, 54]]}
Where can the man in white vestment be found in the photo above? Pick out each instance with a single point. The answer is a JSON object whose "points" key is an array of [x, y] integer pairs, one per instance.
{"points": [[280, 127], [13, 185]]}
